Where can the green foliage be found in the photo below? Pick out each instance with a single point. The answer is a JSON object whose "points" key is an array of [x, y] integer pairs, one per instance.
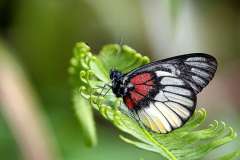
{"points": [[88, 72], [79, 66]]}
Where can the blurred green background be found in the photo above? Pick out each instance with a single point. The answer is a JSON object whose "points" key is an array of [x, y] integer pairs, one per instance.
{"points": [[36, 41]]}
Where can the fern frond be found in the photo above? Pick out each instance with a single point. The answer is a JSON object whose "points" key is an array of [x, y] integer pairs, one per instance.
{"points": [[186, 143]]}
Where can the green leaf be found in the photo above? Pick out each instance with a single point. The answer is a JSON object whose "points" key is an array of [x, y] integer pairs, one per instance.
{"points": [[122, 58], [80, 74], [85, 116], [188, 142]]}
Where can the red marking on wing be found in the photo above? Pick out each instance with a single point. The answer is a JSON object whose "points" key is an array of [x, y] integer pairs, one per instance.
{"points": [[132, 100], [143, 89], [130, 104], [141, 78], [143, 84], [149, 83], [135, 96]]}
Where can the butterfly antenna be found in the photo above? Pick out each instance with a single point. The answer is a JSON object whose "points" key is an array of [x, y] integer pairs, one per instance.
{"points": [[121, 41], [120, 44]]}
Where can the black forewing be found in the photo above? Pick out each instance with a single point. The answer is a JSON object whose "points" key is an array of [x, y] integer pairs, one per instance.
{"points": [[197, 69]]}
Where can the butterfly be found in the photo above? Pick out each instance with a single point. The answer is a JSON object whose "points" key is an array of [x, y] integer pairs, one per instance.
{"points": [[162, 95]]}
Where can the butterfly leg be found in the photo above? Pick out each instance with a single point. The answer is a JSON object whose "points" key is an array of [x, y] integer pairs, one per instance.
{"points": [[99, 101]]}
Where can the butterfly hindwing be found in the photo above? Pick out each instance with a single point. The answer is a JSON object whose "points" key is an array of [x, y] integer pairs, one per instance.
{"points": [[163, 93]]}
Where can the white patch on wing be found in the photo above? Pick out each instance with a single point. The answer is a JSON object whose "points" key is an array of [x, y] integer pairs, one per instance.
{"points": [[158, 118], [180, 110], [197, 59], [199, 81], [150, 122], [172, 118], [171, 81], [201, 65], [200, 72], [178, 90], [179, 99], [160, 97], [163, 73], [145, 119]]}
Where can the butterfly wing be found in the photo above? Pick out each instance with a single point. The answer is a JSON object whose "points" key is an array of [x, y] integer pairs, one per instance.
{"points": [[197, 69], [164, 94]]}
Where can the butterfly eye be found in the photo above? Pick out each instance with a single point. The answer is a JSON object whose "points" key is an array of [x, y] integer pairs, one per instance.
{"points": [[111, 74], [114, 74]]}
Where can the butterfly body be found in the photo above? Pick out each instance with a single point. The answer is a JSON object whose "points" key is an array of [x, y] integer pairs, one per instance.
{"points": [[162, 94]]}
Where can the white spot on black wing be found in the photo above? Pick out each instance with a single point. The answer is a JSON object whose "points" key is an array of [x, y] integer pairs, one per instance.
{"points": [[201, 73], [203, 59], [171, 81], [178, 90], [180, 99], [199, 81], [163, 73]]}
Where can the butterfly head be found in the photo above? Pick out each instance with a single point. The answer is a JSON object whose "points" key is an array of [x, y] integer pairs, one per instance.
{"points": [[117, 82], [115, 74]]}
